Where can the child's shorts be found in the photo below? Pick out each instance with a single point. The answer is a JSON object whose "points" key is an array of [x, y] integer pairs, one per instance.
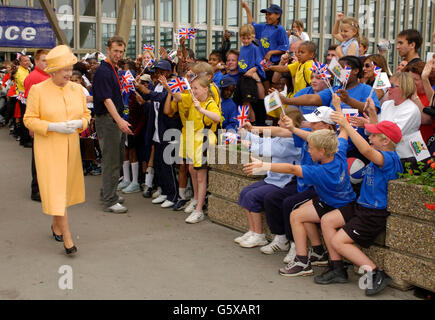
{"points": [[252, 197], [366, 224], [323, 208], [246, 90]]}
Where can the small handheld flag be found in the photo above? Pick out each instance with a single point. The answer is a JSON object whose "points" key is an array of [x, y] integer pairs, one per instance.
{"points": [[149, 47], [242, 116], [178, 85]]}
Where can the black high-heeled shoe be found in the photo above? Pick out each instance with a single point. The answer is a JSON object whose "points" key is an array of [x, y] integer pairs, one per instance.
{"points": [[58, 238], [71, 250]]}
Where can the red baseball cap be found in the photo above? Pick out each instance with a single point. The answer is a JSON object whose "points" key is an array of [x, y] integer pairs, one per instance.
{"points": [[388, 128]]}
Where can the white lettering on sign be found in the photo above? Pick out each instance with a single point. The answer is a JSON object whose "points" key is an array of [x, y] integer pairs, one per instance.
{"points": [[13, 33]]}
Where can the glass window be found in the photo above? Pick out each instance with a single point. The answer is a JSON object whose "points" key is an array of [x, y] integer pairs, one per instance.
{"points": [[148, 9], [107, 31], [316, 16], [430, 27], [392, 19], [351, 8], [201, 11], [383, 22], [326, 43], [65, 15], [218, 10], [329, 18], [340, 7], [36, 4], [234, 40], [108, 8], [251, 6], [233, 13], [201, 44], [372, 18], [166, 10], [278, 2], [148, 36], [303, 11], [131, 45], [87, 8], [262, 4], [391, 56], [88, 35], [217, 40], [183, 11], [411, 15], [18, 3], [166, 36], [290, 14]]}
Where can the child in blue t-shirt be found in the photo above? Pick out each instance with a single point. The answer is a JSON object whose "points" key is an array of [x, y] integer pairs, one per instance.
{"points": [[249, 90], [368, 216], [331, 181], [229, 108], [216, 61]]}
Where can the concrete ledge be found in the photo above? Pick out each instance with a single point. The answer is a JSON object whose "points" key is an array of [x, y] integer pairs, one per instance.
{"points": [[227, 186], [410, 236]]}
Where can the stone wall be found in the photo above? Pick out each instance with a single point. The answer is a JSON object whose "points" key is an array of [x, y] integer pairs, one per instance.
{"points": [[405, 251]]}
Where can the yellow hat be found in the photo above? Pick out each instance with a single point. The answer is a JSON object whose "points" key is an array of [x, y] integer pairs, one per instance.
{"points": [[60, 57]]}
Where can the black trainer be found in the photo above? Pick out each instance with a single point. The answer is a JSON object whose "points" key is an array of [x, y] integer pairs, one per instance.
{"points": [[379, 281], [332, 276], [148, 192], [179, 205]]}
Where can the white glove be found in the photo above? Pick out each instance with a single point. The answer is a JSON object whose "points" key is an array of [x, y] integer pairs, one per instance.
{"points": [[75, 124], [60, 127]]}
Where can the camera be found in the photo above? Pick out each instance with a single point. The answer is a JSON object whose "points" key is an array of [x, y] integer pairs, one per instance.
{"points": [[384, 46]]}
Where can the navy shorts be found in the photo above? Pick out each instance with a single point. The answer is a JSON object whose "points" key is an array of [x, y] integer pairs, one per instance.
{"points": [[252, 197]]}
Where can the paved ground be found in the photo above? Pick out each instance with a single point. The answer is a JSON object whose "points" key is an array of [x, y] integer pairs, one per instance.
{"points": [[149, 253]]}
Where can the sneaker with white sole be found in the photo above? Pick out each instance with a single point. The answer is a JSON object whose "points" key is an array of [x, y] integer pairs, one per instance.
{"points": [[123, 184], [195, 217], [296, 268], [276, 245], [157, 193], [254, 240], [116, 208], [191, 206], [167, 204], [132, 188], [243, 237], [159, 199], [291, 255], [318, 260]]}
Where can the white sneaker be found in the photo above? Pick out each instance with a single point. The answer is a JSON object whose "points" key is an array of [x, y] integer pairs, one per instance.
{"points": [[254, 240], [275, 246], [191, 206], [132, 188], [291, 255], [123, 184], [116, 208], [159, 199], [195, 217], [167, 204], [243, 237], [157, 193]]}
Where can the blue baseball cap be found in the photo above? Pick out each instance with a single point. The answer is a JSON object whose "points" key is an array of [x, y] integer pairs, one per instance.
{"points": [[163, 65], [227, 82], [274, 8]]}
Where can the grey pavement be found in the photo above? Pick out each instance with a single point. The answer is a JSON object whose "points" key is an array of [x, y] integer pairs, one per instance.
{"points": [[149, 253]]}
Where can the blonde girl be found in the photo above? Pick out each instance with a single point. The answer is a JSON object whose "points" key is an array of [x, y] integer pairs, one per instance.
{"points": [[346, 30]]}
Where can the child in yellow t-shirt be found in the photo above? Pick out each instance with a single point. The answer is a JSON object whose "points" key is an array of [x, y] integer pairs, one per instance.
{"points": [[202, 116]]}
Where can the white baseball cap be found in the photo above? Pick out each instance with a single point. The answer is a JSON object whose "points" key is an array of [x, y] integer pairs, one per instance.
{"points": [[320, 114]]}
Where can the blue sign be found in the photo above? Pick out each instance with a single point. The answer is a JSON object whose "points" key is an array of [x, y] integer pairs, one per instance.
{"points": [[25, 28]]}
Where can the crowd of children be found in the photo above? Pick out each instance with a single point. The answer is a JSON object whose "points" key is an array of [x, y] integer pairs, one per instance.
{"points": [[307, 182]]}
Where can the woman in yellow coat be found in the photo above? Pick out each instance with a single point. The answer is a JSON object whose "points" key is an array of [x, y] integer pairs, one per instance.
{"points": [[56, 112]]}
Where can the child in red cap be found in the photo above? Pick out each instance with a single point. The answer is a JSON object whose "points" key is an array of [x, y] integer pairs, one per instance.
{"points": [[369, 211]]}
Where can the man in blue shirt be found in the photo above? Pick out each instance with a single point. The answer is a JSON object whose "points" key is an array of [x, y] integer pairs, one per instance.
{"points": [[110, 126]]}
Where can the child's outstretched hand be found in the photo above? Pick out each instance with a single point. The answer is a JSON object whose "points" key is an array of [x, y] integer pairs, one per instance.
{"points": [[287, 121], [196, 103], [338, 118], [247, 126], [336, 102], [359, 121], [256, 167], [163, 53], [340, 16], [245, 5], [164, 82]]}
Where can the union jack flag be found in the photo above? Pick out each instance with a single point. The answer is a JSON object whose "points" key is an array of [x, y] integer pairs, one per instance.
{"points": [[187, 33], [127, 88], [20, 97], [148, 47], [242, 117], [150, 63], [376, 70], [321, 70], [178, 85], [347, 72], [231, 137], [126, 78]]}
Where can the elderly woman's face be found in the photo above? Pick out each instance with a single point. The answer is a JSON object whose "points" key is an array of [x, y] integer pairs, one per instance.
{"points": [[62, 76]]}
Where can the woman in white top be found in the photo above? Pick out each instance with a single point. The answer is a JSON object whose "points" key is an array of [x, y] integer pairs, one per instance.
{"points": [[297, 32], [400, 110]]}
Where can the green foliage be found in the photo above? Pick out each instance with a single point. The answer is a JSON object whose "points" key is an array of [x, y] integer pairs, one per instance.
{"points": [[423, 175]]}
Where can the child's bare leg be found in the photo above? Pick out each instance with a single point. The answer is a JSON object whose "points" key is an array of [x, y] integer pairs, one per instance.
{"points": [[194, 176], [305, 213], [330, 222], [202, 187]]}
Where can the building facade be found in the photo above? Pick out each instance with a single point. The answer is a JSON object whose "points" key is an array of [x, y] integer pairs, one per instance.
{"points": [[89, 23]]}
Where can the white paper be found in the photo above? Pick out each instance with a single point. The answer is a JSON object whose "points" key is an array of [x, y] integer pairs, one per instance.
{"points": [[382, 82], [429, 56], [337, 70], [418, 147], [284, 92], [272, 102]]}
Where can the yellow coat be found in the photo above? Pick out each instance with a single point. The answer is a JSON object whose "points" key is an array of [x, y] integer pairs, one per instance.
{"points": [[57, 156]]}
